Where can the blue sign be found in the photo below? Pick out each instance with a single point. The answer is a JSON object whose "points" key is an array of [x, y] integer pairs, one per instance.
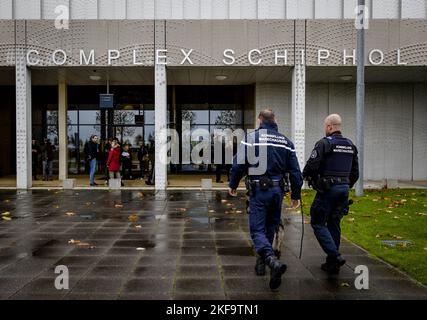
{"points": [[106, 101]]}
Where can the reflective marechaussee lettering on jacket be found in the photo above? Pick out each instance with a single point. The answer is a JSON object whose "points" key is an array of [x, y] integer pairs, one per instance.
{"points": [[333, 156], [266, 152]]}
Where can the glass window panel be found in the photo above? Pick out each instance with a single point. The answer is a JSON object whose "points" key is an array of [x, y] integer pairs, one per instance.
{"points": [[196, 116], [149, 133], [52, 117], [132, 136], [52, 134], [225, 117], [72, 117], [149, 116], [125, 116], [85, 132], [90, 117], [72, 149]]}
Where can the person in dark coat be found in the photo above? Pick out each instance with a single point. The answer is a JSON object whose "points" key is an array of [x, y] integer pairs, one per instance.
{"points": [[142, 154], [35, 153], [92, 153], [126, 159], [47, 158]]}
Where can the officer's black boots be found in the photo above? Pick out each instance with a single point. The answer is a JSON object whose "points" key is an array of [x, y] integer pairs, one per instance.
{"points": [[277, 269], [260, 263], [333, 265], [260, 266]]}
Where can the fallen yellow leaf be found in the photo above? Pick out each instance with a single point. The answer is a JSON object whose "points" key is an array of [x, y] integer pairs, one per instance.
{"points": [[133, 218], [7, 213], [70, 214], [7, 218], [118, 206]]}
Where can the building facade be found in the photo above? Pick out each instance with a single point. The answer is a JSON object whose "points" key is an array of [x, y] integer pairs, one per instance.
{"points": [[220, 62]]}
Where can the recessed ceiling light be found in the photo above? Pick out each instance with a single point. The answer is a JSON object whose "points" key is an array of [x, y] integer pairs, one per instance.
{"points": [[94, 77], [346, 78], [221, 77]]}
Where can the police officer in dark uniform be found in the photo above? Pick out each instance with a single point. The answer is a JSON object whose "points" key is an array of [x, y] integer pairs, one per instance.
{"points": [[332, 169], [265, 182]]}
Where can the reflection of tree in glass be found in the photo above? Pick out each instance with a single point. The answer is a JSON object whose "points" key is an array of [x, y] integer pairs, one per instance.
{"points": [[225, 119], [151, 142], [121, 117], [52, 121], [138, 139], [188, 115]]}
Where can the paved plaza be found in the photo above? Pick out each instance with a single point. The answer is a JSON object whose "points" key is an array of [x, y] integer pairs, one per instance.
{"points": [[169, 245]]}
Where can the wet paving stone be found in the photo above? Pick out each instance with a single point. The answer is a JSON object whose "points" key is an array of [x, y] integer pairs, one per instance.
{"points": [[197, 285], [154, 285], [179, 245]]}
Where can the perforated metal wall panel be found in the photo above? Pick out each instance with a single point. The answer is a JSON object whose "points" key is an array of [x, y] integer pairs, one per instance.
{"points": [[420, 132], [218, 9], [328, 9], [7, 43], [27, 9], [134, 9], [49, 6], [414, 9], [84, 9], [386, 9], [5, 9], [209, 39], [112, 9], [163, 9], [299, 9]]}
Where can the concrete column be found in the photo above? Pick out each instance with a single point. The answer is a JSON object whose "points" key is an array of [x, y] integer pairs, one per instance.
{"points": [[23, 112], [298, 111], [63, 129], [298, 92], [160, 127], [160, 105]]}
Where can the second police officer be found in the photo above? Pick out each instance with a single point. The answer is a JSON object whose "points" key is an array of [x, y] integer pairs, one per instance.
{"points": [[277, 158], [331, 170]]}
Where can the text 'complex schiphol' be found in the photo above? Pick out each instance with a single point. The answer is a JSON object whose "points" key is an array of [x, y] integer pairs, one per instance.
{"points": [[212, 310]]}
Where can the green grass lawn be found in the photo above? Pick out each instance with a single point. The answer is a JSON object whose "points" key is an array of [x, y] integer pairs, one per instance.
{"points": [[388, 215]]}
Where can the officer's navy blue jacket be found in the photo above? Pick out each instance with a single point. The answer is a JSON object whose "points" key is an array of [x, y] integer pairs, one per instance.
{"points": [[333, 156], [281, 158]]}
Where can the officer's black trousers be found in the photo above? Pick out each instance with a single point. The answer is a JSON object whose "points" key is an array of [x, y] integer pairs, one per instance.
{"points": [[326, 214], [264, 218]]}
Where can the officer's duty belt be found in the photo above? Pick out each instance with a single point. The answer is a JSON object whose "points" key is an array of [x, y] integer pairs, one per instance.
{"points": [[274, 183], [337, 180]]}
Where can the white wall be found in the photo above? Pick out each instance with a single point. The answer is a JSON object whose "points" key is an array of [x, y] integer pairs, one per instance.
{"points": [[390, 125], [420, 132], [213, 9], [276, 96]]}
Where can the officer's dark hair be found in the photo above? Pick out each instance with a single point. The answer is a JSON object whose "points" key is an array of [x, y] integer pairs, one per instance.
{"points": [[267, 116]]}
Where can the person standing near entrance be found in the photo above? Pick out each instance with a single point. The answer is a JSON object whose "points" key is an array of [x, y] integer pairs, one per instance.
{"points": [[47, 157], [126, 159], [266, 189], [35, 152], [92, 156], [142, 155], [113, 161], [332, 169]]}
